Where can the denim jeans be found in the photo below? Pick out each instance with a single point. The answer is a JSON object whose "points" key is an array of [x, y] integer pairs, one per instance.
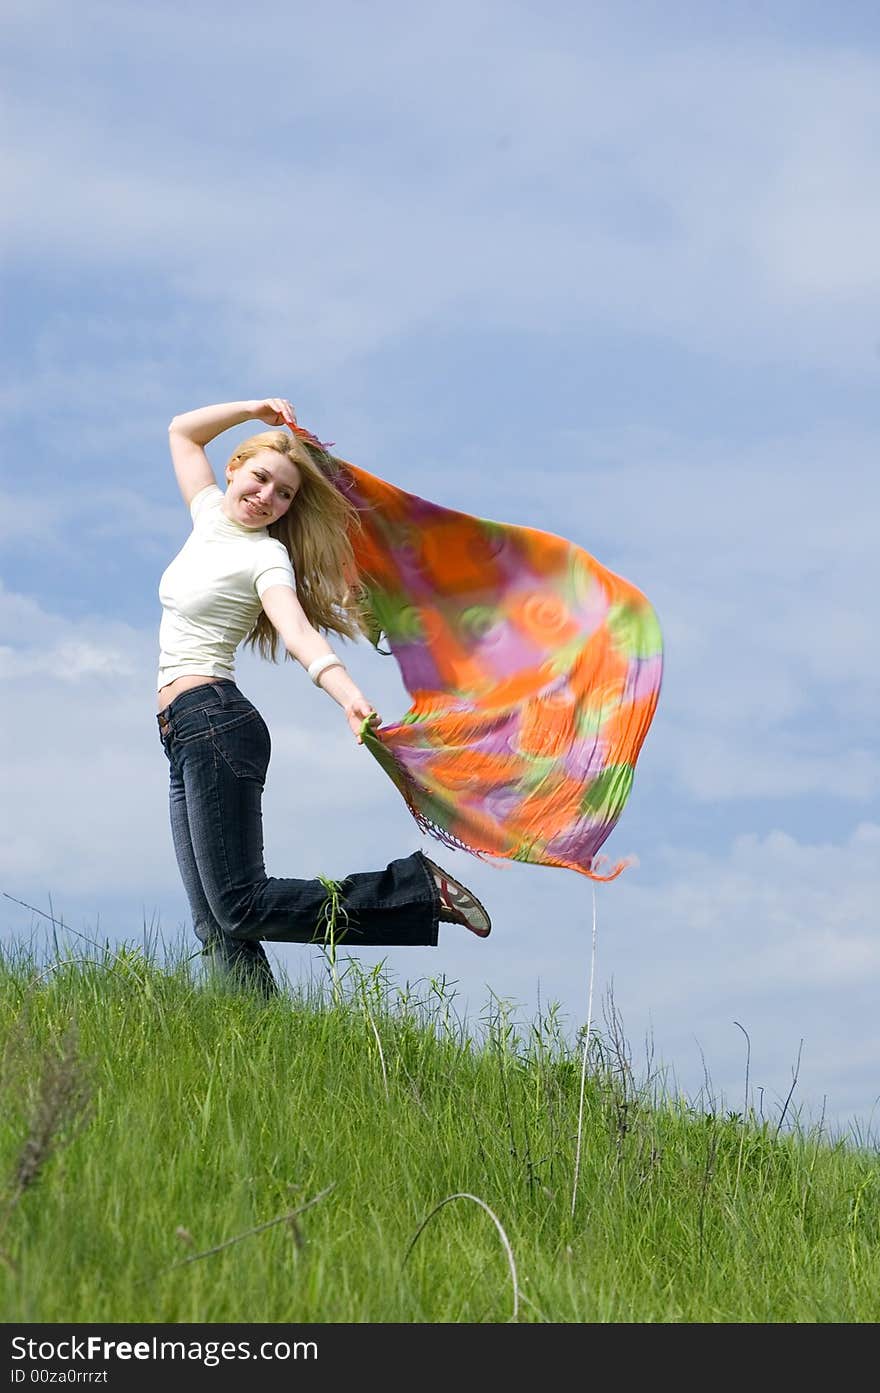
{"points": [[218, 747]]}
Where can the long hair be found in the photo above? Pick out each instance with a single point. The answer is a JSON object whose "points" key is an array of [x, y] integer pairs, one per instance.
{"points": [[315, 533]]}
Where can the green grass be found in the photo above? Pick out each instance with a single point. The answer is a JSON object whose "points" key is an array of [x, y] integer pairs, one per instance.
{"points": [[152, 1127]]}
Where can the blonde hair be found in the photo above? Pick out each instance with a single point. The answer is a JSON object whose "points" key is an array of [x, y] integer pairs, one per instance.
{"points": [[315, 532]]}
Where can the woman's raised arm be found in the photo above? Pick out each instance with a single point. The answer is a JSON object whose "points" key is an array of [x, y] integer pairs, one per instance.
{"points": [[191, 431]]}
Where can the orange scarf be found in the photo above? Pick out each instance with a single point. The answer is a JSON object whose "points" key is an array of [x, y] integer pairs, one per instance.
{"points": [[534, 673]]}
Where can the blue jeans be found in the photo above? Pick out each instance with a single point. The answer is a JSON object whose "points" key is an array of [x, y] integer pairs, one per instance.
{"points": [[218, 747]]}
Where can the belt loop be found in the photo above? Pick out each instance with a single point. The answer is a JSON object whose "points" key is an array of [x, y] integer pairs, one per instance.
{"points": [[218, 688]]}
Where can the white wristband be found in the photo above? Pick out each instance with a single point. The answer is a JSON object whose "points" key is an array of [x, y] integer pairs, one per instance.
{"points": [[321, 665]]}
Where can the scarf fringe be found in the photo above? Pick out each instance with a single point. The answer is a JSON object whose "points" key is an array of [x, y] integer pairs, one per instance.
{"points": [[433, 829]]}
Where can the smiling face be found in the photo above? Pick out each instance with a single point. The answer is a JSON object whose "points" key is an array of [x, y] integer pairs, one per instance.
{"points": [[261, 490]]}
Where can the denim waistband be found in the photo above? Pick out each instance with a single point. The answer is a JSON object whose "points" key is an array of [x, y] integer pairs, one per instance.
{"points": [[217, 693]]}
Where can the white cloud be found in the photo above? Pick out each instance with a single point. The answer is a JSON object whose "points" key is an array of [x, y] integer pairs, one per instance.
{"points": [[742, 764], [87, 520], [449, 192], [66, 662], [41, 643]]}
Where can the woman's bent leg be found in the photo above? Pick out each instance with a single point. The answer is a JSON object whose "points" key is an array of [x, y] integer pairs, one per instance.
{"points": [[223, 775]]}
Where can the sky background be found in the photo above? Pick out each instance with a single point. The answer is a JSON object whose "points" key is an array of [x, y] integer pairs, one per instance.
{"points": [[609, 270]]}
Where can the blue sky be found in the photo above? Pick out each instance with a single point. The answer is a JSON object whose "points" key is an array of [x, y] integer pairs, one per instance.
{"points": [[608, 270]]}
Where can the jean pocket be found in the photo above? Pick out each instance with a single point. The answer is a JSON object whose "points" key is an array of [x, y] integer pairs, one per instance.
{"points": [[243, 744], [189, 725], [230, 716], [201, 721]]}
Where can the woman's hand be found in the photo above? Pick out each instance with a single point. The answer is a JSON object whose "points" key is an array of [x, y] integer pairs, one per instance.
{"points": [[274, 411], [356, 712]]}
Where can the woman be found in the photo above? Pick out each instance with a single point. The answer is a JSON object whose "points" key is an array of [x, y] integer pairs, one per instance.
{"points": [[268, 560]]}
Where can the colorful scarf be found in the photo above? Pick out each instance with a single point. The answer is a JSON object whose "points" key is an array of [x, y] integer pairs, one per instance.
{"points": [[534, 673]]}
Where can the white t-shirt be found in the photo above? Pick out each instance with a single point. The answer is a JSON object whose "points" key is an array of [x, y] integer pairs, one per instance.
{"points": [[211, 592]]}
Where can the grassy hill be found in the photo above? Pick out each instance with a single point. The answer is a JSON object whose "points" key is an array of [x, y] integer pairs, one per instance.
{"points": [[172, 1151]]}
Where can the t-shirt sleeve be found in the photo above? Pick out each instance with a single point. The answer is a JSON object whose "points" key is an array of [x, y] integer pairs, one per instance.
{"points": [[205, 498], [273, 566]]}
